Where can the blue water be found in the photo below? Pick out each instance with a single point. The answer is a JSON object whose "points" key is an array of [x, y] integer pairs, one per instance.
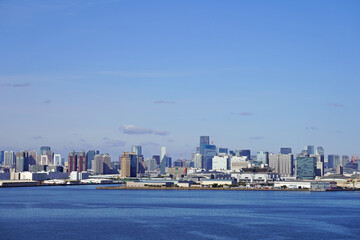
{"points": [[82, 212]]}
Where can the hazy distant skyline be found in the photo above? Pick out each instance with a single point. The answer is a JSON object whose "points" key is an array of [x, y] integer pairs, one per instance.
{"points": [[106, 75]]}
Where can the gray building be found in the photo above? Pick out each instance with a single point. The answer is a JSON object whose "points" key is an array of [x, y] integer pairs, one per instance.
{"points": [[263, 157], [282, 164], [101, 164], [285, 150], [305, 168]]}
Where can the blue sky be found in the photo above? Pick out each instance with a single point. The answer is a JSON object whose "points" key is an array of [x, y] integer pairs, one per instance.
{"points": [[110, 74]]}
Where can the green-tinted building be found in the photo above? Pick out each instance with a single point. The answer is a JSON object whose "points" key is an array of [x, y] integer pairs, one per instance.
{"points": [[305, 168]]}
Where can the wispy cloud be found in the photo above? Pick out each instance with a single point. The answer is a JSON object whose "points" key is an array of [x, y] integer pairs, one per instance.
{"points": [[148, 144], [164, 102], [47, 101], [15, 85], [243, 113], [311, 128], [133, 130], [113, 143], [256, 138], [37, 138], [335, 105], [126, 74]]}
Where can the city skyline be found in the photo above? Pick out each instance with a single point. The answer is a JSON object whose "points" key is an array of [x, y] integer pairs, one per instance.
{"points": [[112, 74]]}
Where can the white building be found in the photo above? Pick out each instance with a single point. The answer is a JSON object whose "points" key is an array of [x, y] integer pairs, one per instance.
{"points": [[220, 163], [238, 163], [256, 177], [198, 157], [57, 159]]}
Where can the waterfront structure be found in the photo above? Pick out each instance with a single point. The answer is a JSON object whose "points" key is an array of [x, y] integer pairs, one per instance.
{"points": [[129, 165], [204, 140], [198, 159], [221, 162], [263, 157], [101, 164], [163, 160], [285, 150], [305, 168], [90, 156], [218, 182], [282, 164]]}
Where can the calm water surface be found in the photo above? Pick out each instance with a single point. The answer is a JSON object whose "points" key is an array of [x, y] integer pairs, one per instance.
{"points": [[82, 212]]}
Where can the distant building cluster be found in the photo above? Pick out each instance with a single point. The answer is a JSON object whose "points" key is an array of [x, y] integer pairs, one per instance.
{"points": [[207, 162]]}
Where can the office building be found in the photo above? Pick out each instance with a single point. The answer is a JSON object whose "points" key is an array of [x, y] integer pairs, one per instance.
{"points": [[310, 149], [163, 160], [57, 159], [282, 164], [1, 158], [305, 168], [32, 157], [238, 163], [320, 151], [9, 159], [223, 151], [157, 159], [221, 163], [46, 150], [90, 155], [333, 161], [204, 140], [209, 153], [151, 164], [285, 150], [137, 150], [263, 157], [129, 165], [22, 161], [101, 164], [198, 160], [245, 153]]}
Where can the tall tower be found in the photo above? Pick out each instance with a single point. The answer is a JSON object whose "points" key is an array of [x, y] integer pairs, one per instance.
{"points": [[137, 150], [204, 140], [163, 160]]}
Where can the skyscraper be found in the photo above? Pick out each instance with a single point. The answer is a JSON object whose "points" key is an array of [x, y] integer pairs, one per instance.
{"points": [[77, 162], [209, 153], [305, 168], [137, 150], [101, 164], [198, 159], [263, 157], [163, 160], [282, 164], [157, 159], [1, 158], [90, 155], [9, 159], [285, 150], [204, 140], [223, 151], [310, 149], [245, 153], [22, 161], [129, 165], [320, 151]]}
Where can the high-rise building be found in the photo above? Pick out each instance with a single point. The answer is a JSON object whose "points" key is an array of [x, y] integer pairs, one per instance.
{"points": [[245, 153], [305, 168], [282, 164], [320, 151], [157, 159], [333, 161], [223, 151], [77, 162], [344, 160], [310, 149], [137, 150], [198, 159], [209, 153], [44, 150], [22, 161], [263, 157], [1, 158], [90, 155], [204, 140], [221, 162], [9, 159], [285, 150], [163, 160], [151, 165], [32, 157], [57, 159], [238, 163], [129, 165], [101, 164]]}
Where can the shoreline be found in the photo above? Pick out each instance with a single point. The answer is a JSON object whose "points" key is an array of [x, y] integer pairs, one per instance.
{"points": [[218, 189]]}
